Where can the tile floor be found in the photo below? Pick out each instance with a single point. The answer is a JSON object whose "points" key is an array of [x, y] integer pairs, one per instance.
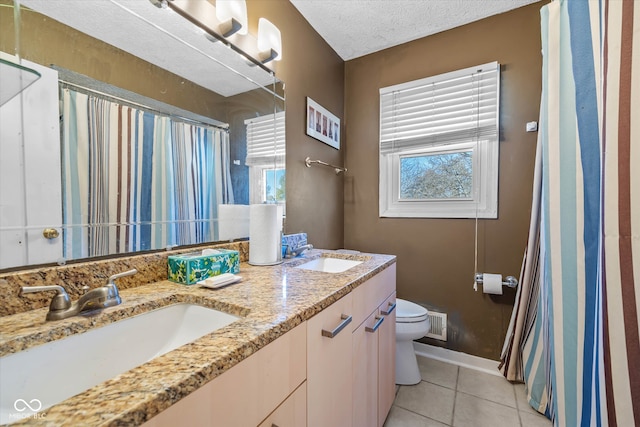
{"points": [[450, 395]]}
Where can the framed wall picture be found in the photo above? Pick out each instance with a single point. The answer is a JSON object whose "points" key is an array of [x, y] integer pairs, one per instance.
{"points": [[322, 125]]}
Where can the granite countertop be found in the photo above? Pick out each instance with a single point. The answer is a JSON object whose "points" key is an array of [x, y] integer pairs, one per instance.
{"points": [[270, 301]]}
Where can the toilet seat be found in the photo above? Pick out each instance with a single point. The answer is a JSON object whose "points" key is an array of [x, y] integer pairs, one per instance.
{"points": [[409, 312]]}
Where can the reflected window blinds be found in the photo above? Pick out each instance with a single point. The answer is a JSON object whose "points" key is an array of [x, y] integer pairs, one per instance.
{"points": [[266, 140]]}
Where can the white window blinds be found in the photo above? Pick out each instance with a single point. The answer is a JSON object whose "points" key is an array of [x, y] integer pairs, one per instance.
{"points": [[266, 140], [444, 109]]}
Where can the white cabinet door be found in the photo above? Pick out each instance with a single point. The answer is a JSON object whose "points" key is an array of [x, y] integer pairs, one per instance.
{"points": [[374, 349], [329, 391], [365, 371], [386, 358], [374, 353]]}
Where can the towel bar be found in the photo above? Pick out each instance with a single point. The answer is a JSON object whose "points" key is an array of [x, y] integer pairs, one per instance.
{"points": [[338, 169]]}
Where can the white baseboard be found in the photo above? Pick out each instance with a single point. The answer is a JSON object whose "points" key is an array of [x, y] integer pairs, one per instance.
{"points": [[457, 358]]}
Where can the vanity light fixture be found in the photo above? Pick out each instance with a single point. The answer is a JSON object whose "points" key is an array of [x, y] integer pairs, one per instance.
{"points": [[227, 21], [232, 15], [269, 41]]}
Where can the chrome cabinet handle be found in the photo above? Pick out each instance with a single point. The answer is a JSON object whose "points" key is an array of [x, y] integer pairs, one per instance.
{"points": [[345, 321], [392, 306], [379, 321]]}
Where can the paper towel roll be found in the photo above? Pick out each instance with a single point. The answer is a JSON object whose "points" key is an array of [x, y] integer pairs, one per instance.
{"points": [[264, 235], [280, 218], [492, 283]]}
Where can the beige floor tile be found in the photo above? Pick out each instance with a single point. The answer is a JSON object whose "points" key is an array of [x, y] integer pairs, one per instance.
{"points": [[399, 417], [534, 420], [437, 372], [471, 411], [490, 387], [431, 400]]}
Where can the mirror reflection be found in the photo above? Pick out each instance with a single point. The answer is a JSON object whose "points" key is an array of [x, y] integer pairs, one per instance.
{"points": [[135, 142]]}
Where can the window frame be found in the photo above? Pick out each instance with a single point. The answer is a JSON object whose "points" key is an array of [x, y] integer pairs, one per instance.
{"points": [[257, 187], [485, 161], [261, 157]]}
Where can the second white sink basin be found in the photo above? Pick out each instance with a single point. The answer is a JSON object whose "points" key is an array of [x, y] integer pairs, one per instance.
{"points": [[42, 376], [329, 265]]}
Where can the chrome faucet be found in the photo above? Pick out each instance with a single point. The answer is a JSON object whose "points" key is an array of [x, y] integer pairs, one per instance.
{"points": [[61, 306], [292, 253]]}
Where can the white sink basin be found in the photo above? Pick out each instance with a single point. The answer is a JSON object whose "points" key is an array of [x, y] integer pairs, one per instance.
{"points": [[329, 265], [37, 378]]}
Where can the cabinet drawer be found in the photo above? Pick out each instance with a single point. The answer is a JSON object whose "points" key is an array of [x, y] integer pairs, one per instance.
{"points": [[248, 392], [292, 412], [369, 295]]}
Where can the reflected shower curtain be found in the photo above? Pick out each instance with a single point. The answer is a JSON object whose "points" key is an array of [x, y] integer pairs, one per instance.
{"points": [[134, 180], [580, 356]]}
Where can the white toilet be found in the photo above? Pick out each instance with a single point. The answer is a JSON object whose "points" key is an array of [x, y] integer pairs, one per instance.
{"points": [[412, 323]]}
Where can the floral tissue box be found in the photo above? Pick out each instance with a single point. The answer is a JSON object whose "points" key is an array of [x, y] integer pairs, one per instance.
{"points": [[196, 266]]}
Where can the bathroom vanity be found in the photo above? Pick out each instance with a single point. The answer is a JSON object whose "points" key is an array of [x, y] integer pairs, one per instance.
{"points": [[309, 347]]}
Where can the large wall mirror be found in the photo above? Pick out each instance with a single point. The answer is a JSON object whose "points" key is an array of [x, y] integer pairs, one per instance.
{"points": [[141, 132]]}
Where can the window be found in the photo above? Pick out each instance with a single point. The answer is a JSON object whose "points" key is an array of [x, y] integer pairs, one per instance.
{"points": [[273, 190], [266, 158], [439, 145]]}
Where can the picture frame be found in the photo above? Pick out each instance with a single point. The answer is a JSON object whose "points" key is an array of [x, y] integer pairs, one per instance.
{"points": [[322, 125]]}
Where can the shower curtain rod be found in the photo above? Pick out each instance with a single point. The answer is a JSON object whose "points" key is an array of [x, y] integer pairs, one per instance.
{"points": [[201, 120]]}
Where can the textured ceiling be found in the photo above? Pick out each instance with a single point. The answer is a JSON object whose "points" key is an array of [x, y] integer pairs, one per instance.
{"points": [[159, 36], [355, 28], [352, 28]]}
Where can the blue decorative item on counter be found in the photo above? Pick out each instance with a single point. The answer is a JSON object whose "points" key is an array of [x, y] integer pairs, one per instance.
{"points": [[294, 240], [191, 268], [291, 243]]}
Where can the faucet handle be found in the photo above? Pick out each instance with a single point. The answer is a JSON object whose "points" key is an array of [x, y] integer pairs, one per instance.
{"points": [[119, 275], [60, 301]]}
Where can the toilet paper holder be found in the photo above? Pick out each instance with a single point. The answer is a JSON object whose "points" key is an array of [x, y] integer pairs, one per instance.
{"points": [[508, 281]]}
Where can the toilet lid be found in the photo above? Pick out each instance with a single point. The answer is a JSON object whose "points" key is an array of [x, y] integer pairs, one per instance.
{"points": [[410, 312]]}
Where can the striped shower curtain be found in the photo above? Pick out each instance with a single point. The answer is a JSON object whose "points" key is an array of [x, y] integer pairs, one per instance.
{"points": [[621, 206], [134, 180], [580, 356]]}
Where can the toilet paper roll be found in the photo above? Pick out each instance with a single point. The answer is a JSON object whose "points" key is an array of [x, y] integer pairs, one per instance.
{"points": [[264, 235], [492, 283]]}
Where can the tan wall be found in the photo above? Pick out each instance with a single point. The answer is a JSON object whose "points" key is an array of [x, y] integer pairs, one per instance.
{"points": [[436, 256], [309, 68]]}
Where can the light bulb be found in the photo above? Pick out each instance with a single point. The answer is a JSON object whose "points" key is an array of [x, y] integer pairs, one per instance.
{"points": [[269, 41], [232, 15]]}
